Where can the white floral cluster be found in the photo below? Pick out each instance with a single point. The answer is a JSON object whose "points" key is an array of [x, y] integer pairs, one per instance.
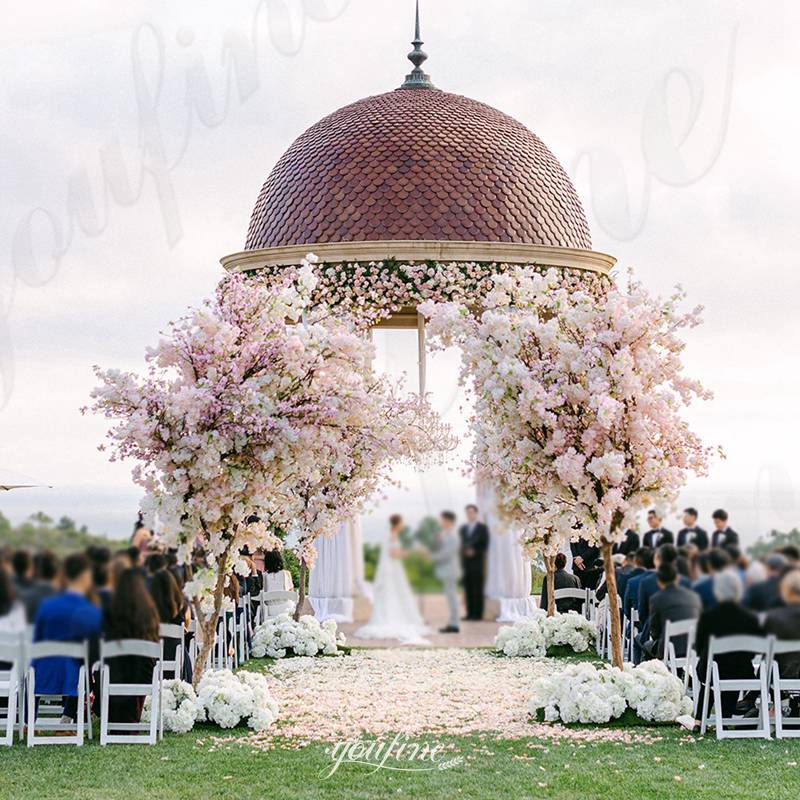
{"points": [[179, 706], [533, 635], [282, 635], [584, 693], [228, 697]]}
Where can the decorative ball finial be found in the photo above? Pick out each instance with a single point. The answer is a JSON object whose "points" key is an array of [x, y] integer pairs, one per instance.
{"points": [[417, 79]]}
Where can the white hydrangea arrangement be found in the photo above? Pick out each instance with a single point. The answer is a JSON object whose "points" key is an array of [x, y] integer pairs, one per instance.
{"points": [[583, 693], [228, 697], [535, 634], [569, 630], [526, 637], [280, 636], [179, 706]]}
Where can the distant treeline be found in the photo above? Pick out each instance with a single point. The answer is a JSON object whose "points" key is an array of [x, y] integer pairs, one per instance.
{"points": [[40, 532]]}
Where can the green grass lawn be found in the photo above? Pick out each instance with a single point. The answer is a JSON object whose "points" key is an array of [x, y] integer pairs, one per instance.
{"points": [[179, 768]]}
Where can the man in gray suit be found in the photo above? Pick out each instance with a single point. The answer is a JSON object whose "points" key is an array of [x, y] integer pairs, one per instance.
{"points": [[671, 603], [445, 556]]}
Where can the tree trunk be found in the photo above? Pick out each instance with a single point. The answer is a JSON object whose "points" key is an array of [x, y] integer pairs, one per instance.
{"points": [[208, 625], [301, 594], [550, 566], [611, 599]]}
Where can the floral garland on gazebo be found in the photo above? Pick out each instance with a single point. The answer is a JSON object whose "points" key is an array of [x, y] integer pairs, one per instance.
{"points": [[371, 291]]}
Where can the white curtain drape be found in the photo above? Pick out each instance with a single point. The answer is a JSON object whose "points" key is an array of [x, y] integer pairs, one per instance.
{"points": [[508, 577], [338, 574]]}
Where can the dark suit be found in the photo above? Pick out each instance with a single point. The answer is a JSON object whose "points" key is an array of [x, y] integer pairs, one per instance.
{"points": [[589, 553], [672, 604], [696, 536], [474, 537], [655, 538], [562, 580], [764, 595], [624, 577], [647, 588], [630, 544], [784, 623], [724, 537], [725, 619], [705, 588]]}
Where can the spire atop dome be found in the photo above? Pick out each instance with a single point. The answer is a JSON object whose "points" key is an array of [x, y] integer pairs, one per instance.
{"points": [[417, 79]]}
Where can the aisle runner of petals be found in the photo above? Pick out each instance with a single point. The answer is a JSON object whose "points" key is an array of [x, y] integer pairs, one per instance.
{"points": [[446, 691]]}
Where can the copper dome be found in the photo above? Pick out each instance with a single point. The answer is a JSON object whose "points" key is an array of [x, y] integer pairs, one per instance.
{"points": [[418, 164]]}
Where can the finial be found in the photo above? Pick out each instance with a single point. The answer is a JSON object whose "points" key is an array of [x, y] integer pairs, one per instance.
{"points": [[417, 79]]}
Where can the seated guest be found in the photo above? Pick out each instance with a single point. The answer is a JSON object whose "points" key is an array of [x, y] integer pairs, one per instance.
{"points": [[66, 617], [629, 545], [30, 591], [561, 580], [717, 560], [722, 535], [155, 562], [135, 558], [691, 532], [656, 535], [629, 588], [132, 615], [619, 561], [584, 555], [12, 611], [173, 609], [672, 603], [666, 554], [784, 623], [791, 553], [766, 594], [277, 579], [47, 569], [726, 618]]}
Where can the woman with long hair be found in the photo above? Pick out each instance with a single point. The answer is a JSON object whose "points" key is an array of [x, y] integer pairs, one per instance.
{"points": [[132, 614], [172, 610]]}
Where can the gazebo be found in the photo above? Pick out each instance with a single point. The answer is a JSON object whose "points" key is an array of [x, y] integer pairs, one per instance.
{"points": [[414, 194]]}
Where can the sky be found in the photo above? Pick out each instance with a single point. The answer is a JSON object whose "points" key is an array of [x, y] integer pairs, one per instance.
{"points": [[136, 137]]}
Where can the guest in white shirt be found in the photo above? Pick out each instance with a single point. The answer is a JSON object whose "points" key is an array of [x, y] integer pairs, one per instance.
{"points": [[277, 579]]}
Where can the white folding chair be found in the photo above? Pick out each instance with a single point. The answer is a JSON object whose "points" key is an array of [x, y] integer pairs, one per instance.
{"points": [[591, 605], [79, 651], [604, 637], [10, 655], [784, 728], [243, 639], [273, 604], [173, 667], [193, 645], [760, 648], [633, 632], [675, 630], [572, 594], [125, 648]]}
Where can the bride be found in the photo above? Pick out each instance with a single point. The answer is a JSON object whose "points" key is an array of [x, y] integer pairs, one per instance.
{"points": [[395, 614]]}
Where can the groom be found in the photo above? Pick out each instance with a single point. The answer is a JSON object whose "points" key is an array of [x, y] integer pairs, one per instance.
{"points": [[474, 544], [445, 557]]}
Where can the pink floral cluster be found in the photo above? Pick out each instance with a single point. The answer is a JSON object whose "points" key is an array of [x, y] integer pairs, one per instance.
{"points": [[369, 292], [260, 414], [578, 402]]}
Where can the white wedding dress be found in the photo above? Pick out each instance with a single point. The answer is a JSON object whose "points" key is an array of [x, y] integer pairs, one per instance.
{"points": [[395, 613]]}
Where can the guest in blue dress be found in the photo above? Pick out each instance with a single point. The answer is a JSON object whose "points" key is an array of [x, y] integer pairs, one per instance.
{"points": [[67, 617]]}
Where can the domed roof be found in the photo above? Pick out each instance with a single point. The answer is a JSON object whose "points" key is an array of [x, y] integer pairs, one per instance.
{"points": [[418, 164]]}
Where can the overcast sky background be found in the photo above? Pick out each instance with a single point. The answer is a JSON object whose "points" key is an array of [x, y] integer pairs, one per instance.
{"points": [[678, 122]]}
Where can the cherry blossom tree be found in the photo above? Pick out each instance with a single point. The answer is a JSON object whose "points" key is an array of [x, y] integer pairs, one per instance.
{"points": [[254, 405], [578, 402]]}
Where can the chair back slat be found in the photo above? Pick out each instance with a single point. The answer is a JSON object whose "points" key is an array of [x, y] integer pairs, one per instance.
{"points": [[129, 647], [562, 594], [10, 653], [52, 649], [758, 645], [783, 646], [168, 631]]}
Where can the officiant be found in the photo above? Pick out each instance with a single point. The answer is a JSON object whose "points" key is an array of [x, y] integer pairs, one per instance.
{"points": [[474, 544]]}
